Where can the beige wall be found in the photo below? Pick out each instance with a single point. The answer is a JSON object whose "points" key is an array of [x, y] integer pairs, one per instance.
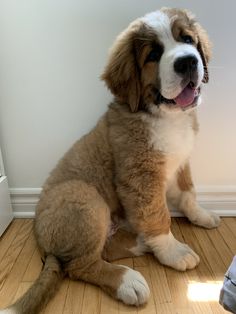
{"points": [[51, 56]]}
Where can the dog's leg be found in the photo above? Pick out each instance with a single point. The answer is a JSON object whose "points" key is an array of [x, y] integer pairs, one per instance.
{"points": [[181, 194], [144, 199], [121, 282], [73, 222], [166, 248], [123, 244]]}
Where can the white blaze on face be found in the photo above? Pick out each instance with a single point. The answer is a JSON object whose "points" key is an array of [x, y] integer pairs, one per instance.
{"points": [[170, 80]]}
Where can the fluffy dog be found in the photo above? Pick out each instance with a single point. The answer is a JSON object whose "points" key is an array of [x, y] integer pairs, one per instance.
{"points": [[107, 197]]}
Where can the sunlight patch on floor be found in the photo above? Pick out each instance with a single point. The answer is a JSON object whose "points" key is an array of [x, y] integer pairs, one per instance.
{"points": [[204, 291]]}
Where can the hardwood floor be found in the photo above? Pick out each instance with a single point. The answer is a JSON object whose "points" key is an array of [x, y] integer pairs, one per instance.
{"points": [[194, 291]]}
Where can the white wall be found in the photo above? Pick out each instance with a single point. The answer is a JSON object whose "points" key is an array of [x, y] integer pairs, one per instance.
{"points": [[51, 56]]}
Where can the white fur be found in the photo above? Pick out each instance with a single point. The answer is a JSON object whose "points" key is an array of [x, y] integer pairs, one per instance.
{"points": [[196, 214], [171, 133], [173, 253], [8, 311], [185, 201], [134, 289], [158, 21], [170, 80]]}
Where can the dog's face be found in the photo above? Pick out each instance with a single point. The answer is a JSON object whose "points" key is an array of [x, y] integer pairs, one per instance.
{"points": [[159, 60]]}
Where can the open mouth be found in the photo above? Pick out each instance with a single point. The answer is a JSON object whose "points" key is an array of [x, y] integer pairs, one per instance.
{"points": [[186, 99]]}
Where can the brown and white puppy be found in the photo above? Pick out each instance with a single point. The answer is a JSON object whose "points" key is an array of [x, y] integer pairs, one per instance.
{"points": [[128, 166]]}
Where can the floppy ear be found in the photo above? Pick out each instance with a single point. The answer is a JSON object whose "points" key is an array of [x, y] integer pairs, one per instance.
{"points": [[121, 73], [204, 48]]}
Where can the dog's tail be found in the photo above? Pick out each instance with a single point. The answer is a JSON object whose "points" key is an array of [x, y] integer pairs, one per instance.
{"points": [[41, 291]]}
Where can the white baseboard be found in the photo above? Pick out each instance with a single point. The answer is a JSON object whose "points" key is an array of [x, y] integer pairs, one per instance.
{"points": [[24, 201], [220, 199]]}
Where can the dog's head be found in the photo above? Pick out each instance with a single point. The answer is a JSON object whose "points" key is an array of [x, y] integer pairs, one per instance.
{"points": [[160, 59]]}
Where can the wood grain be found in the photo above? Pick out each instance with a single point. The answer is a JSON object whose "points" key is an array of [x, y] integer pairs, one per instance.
{"points": [[20, 264]]}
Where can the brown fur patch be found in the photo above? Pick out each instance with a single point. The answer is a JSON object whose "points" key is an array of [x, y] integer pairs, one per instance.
{"points": [[140, 178], [127, 75], [119, 245], [184, 178], [107, 276], [204, 48]]}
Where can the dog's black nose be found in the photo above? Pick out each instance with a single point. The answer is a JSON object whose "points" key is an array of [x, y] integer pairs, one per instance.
{"points": [[186, 64]]}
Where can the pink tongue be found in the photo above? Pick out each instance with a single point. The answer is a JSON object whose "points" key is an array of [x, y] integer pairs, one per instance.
{"points": [[186, 97]]}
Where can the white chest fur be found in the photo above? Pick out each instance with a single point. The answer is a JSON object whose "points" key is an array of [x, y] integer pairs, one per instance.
{"points": [[172, 134]]}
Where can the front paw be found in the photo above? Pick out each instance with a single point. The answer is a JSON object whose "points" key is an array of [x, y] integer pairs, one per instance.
{"points": [[182, 257], [206, 219], [173, 253]]}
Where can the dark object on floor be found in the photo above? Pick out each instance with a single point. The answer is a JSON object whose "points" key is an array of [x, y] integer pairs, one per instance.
{"points": [[228, 291]]}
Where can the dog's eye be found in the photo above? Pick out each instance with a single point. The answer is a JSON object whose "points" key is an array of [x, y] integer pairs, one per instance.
{"points": [[187, 39], [154, 55]]}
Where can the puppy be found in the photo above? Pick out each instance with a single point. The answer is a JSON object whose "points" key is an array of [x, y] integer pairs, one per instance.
{"points": [[107, 197]]}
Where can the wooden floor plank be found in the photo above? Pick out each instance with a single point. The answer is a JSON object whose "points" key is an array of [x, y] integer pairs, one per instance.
{"points": [[182, 282], [108, 304], [34, 268], [220, 246], [203, 269], [207, 271], [13, 251], [178, 281], [15, 276], [9, 235], [92, 300], [214, 259], [124, 309], [204, 272], [22, 288], [160, 287], [20, 265], [227, 235], [178, 285], [230, 222], [74, 298]]}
